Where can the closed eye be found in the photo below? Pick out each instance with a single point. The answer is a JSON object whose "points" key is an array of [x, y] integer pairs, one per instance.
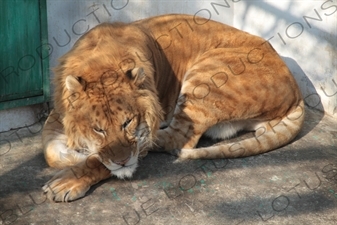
{"points": [[126, 123], [99, 130]]}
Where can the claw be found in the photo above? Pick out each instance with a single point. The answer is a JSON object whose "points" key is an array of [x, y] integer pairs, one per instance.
{"points": [[45, 188], [65, 199]]}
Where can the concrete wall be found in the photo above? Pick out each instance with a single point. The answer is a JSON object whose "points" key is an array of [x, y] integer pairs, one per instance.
{"points": [[303, 32], [69, 19]]}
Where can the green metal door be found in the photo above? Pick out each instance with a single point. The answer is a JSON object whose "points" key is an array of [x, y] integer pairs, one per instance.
{"points": [[24, 77]]}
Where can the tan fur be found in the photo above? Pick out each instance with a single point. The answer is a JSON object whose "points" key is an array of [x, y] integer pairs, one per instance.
{"points": [[72, 183], [121, 81]]}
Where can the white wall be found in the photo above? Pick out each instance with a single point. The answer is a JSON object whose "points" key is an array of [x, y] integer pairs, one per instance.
{"points": [[20, 117], [308, 46], [76, 16]]}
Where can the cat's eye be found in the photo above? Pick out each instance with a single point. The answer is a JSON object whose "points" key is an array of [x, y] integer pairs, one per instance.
{"points": [[99, 130], [126, 123]]}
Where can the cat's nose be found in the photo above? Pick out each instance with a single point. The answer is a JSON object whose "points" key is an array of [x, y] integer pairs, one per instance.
{"points": [[122, 162]]}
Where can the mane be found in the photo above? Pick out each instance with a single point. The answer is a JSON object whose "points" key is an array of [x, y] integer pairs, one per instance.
{"points": [[104, 48]]}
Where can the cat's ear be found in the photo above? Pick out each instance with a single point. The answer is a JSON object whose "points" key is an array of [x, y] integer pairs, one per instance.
{"points": [[137, 75], [76, 87], [74, 84]]}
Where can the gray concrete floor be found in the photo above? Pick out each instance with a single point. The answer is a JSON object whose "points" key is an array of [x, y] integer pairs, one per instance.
{"points": [[296, 184]]}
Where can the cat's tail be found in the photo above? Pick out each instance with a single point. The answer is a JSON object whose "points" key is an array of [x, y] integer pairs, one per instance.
{"points": [[54, 141], [267, 136]]}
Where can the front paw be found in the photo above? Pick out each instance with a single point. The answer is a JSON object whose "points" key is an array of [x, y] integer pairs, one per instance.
{"points": [[66, 186]]}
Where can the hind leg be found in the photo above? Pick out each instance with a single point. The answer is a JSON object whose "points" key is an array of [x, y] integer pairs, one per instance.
{"points": [[216, 89], [197, 109], [181, 133]]}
